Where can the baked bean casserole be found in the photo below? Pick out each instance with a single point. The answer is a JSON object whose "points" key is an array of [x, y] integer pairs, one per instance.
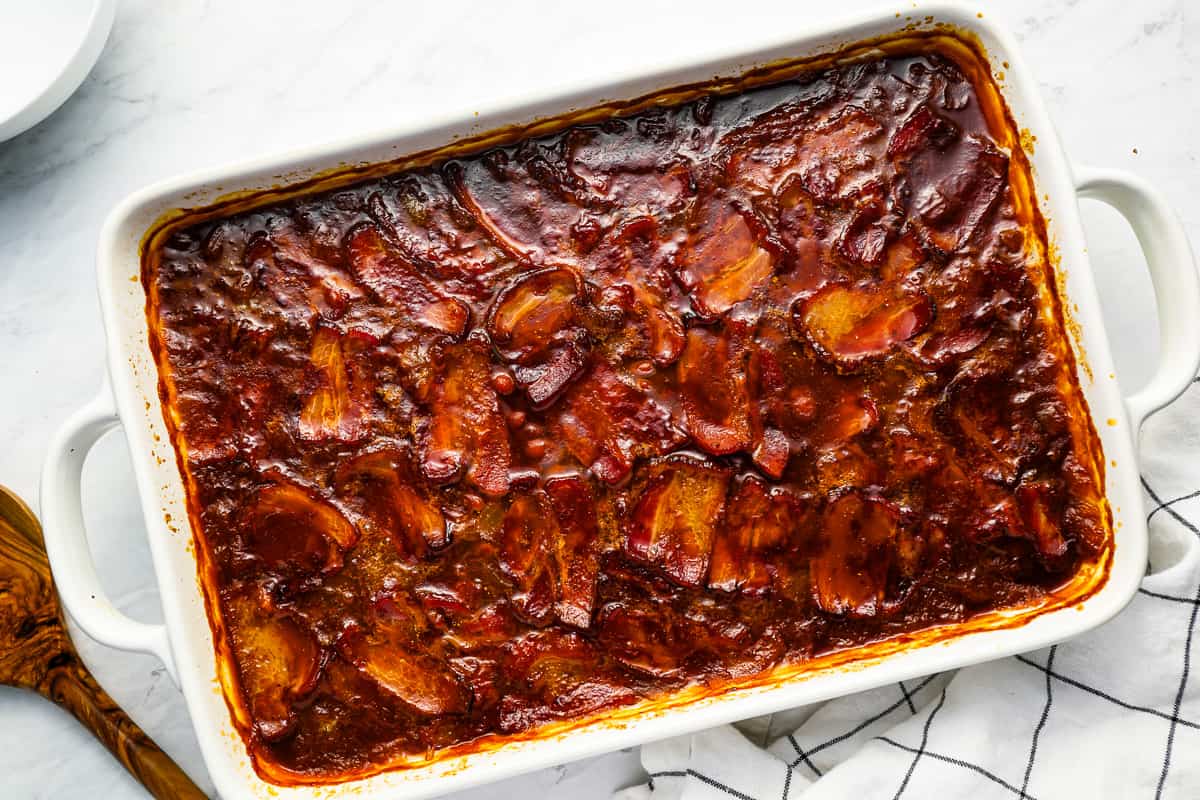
{"points": [[669, 396]]}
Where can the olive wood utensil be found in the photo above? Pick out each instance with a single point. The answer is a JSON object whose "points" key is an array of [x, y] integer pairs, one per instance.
{"points": [[36, 653]]}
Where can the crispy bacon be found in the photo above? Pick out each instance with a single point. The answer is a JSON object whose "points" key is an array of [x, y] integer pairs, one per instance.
{"points": [[667, 336], [714, 395], [771, 452], [939, 350], [548, 548], [633, 269], [850, 414], [427, 224], [544, 383], [857, 550], [770, 446], [529, 213], [644, 177], [651, 328], [723, 263], [482, 677], [838, 161], [530, 551], [757, 521], [467, 434], [865, 236], [395, 500], [339, 407], [535, 323], [292, 530], [338, 288], [423, 684], [574, 505], [923, 128], [955, 190], [469, 602], [491, 625], [606, 423], [279, 662], [1041, 523], [558, 669], [901, 259], [396, 281], [850, 324], [535, 313], [673, 524], [643, 638], [976, 413]]}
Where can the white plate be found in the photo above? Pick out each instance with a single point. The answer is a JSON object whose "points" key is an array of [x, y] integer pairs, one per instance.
{"points": [[47, 48]]}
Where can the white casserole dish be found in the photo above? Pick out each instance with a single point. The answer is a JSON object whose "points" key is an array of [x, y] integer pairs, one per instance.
{"points": [[185, 642]]}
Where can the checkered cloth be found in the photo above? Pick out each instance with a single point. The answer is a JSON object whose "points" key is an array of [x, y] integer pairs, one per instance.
{"points": [[1110, 714]]}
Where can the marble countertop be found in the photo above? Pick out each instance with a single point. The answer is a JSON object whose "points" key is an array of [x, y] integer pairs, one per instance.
{"points": [[193, 84]]}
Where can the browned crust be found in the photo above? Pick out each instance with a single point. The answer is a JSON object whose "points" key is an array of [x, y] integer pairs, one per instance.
{"points": [[960, 46]]}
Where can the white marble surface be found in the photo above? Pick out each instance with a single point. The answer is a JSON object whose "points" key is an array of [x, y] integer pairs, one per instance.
{"points": [[191, 84]]}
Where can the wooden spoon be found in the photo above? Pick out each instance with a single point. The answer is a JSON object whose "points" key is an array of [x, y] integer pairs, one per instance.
{"points": [[36, 653]]}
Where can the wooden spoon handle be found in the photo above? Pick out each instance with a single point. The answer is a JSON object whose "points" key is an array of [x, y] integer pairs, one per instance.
{"points": [[71, 685]]}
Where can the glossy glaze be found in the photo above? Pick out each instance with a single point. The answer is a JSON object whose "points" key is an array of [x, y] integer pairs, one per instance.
{"points": [[670, 398]]}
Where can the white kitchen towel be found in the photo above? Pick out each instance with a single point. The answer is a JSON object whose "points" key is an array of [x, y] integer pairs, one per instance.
{"points": [[1112, 714]]}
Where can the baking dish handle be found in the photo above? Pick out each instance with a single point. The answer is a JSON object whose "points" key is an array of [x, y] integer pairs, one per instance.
{"points": [[1173, 273], [66, 538]]}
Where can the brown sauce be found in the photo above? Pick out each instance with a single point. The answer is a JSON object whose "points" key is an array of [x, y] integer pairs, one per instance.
{"points": [[665, 399]]}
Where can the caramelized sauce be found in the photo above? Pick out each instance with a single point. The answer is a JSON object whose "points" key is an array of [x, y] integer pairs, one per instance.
{"points": [[666, 399]]}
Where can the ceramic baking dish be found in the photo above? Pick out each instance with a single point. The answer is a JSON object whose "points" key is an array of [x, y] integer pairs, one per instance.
{"points": [[185, 642]]}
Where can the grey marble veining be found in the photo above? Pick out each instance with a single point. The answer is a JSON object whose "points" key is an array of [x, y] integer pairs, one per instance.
{"points": [[191, 84]]}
